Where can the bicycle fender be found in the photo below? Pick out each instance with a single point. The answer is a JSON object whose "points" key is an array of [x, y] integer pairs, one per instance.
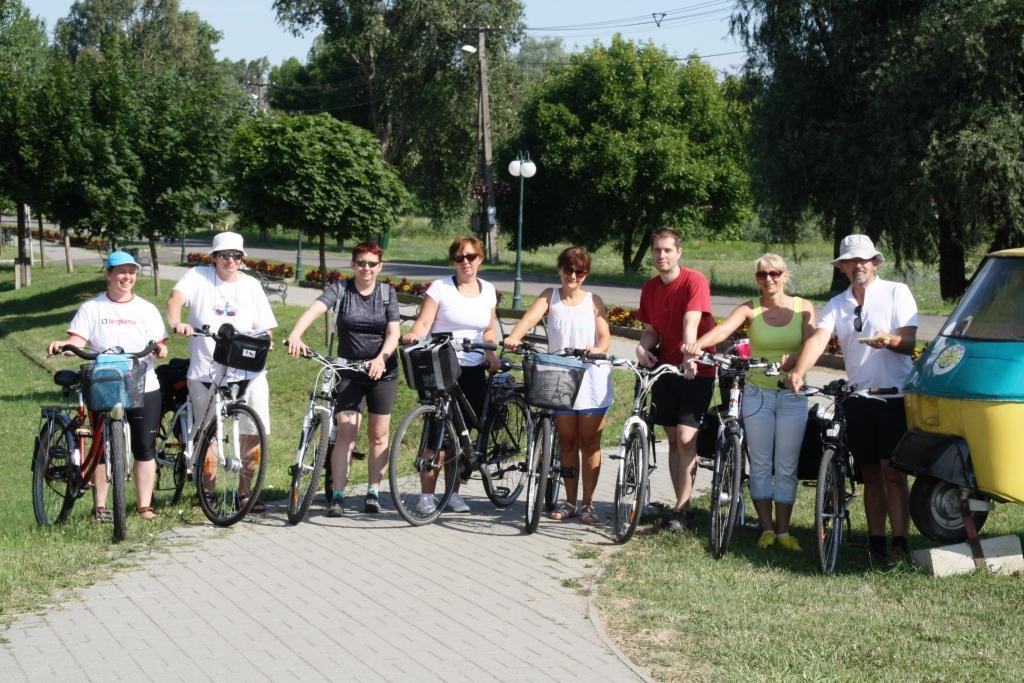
{"points": [[627, 428]]}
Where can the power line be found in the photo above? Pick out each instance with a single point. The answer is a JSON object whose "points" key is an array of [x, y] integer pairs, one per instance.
{"points": [[658, 19]]}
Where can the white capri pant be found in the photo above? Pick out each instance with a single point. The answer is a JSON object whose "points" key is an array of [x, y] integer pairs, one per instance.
{"points": [[257, 397], [774, 420]]}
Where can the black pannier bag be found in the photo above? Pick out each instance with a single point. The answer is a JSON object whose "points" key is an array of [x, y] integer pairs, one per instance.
{"points": [[810, 449], [707, 434], [173, 377], [241, 350], [431, 365]]}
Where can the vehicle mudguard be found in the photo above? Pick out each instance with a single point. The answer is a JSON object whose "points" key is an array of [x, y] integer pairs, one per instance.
{"points": [[943, 456]]}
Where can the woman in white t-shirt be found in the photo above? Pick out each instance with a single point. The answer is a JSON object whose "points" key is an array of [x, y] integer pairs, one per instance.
{"points": [[120, 318], [464, 305], [577, 319]]}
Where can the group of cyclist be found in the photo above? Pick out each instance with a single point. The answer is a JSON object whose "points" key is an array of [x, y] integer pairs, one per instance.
{"points": [[875, 321]]}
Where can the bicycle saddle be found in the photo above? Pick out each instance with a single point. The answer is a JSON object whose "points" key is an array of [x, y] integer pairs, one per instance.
{"points": [[66, 378]]}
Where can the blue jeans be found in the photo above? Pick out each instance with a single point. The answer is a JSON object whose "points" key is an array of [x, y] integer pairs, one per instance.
{"points": [[774, 420]]}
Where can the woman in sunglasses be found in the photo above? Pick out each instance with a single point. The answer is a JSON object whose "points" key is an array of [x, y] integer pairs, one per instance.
{"points": [[577, 319], [463, 305], [367, 317], [217, 294], [774, 418]]}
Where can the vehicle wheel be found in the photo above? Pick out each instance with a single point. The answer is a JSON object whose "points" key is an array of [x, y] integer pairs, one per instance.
{"points": [[553, 489], [170, 451], [726, 489], [118, 464], [53, 472], [538, 469], [507, 450], [631, 484], [422, 446], [306, 472], [229, 483], [935, 509], [829, 510]]}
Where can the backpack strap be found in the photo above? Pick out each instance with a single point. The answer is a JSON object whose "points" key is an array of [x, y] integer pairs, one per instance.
{"points": [[385, 292]]}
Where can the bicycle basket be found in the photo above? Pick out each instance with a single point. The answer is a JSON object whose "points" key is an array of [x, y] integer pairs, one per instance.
{"points": [[430, 367], [113, 379], [552, 381], [241, 350]]}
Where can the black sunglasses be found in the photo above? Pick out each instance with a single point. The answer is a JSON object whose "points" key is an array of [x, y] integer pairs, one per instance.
{"points": [[466, 257], [363, 263], [764, 274], [858, 323]]}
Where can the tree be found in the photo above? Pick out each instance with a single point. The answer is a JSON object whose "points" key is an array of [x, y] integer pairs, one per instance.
{"points": [[539, 56], [626, 140], [316, 174]]}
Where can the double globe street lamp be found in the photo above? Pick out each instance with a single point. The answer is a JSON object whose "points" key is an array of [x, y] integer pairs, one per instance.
{"points": [[521, 168]]}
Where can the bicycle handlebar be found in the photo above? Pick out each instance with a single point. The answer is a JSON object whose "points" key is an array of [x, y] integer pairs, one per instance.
{"points": [[727, 361], [568, 352], [336, 363], [89, 354], [466, 343], [840, 388]]}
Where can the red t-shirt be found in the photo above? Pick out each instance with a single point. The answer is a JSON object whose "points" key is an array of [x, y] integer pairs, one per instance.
{"points": [[663, 307]]}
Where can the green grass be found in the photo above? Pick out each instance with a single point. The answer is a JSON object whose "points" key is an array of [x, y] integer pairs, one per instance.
{"points": [[769, 615]]}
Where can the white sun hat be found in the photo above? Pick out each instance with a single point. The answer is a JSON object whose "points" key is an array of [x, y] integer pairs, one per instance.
{"points": [[227, 241], [857, 246]]}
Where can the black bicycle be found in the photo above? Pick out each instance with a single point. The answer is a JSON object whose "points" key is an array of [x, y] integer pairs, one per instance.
{"points": [[432, 448]]}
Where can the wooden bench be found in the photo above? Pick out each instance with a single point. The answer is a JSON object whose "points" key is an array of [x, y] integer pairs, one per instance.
{"points": [[274, 286]]}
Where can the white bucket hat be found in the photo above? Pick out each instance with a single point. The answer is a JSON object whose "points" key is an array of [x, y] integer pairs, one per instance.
{"points": [[857, 246], [226, 241]]}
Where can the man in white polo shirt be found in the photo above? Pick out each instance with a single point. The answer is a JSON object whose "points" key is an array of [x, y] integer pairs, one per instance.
{"points": [[876, 323]]}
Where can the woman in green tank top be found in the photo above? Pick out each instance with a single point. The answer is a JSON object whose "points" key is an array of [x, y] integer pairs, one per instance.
{"points": [[774, 419]]}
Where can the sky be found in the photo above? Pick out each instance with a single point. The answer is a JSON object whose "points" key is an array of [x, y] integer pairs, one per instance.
{"points": [[250, 29]]}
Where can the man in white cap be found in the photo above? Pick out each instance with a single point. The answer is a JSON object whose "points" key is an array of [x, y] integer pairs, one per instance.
{"points": [[876, 323], [216, 295]]}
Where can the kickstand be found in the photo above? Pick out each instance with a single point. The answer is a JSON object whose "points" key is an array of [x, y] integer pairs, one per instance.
{"points": [[972, 534]]}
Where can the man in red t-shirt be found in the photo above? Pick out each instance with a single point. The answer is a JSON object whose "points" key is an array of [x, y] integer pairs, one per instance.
{"points": [[675, 308]]}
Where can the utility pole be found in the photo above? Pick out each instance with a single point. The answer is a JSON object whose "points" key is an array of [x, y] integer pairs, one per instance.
{"points": [[488, 217]]}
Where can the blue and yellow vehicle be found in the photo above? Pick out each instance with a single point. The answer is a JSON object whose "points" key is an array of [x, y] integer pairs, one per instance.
{"points": [[965, 406]]}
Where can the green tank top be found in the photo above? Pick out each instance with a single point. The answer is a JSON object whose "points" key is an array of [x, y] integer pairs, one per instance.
{"points": [[769, 341]]}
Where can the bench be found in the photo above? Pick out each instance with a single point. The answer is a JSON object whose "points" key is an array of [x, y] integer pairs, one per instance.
{"points": [[274, 286]]}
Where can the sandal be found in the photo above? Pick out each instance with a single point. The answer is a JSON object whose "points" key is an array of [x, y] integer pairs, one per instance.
{"points": [[147, 512], [588, 516], [101, 515], [564, 511], [256, 508]]}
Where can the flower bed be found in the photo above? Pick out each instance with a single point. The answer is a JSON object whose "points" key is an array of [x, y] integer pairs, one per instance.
{"points": [[271, 268]]}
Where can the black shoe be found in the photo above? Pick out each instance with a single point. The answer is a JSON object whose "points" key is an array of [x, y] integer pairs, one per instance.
{"points": [[337, 507], [372, 503], [680, 521]]}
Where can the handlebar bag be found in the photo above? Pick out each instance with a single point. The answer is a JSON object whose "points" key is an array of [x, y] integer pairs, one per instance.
{"points": [[113, 379], [241, 350], [430, 367], [552, 381]]}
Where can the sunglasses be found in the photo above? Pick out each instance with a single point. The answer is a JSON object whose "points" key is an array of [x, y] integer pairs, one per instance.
{"points": [[858, 322], [363, 263], [225, 309], [765, 274], [574, 271], [466, 257], [232, 255]]}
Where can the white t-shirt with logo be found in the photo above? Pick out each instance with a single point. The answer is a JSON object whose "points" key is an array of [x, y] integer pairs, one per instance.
{"points": [[212, 301], [131, 325], [465, 317]]}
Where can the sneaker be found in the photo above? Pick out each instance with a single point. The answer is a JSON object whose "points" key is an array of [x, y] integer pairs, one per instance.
{"points": [[679, 522], [427, 504], [337, 507], [789, 543], [372, 503], [457, 504], [767, 539]]}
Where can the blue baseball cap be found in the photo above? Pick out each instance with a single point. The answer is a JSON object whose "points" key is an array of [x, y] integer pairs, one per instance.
{"points": [[120, 258]]}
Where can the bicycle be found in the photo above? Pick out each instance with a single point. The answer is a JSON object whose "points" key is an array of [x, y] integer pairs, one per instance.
{"points": [[636, 449], [729, 460], [173, 446], [835, 485], [60, 473], [230, 482], [433, 438], [319, 432]]}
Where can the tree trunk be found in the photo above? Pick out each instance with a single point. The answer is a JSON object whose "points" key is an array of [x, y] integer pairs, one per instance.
{"points": [[323, 260], [626, 248], [155, 265], [840, 229], [641, 252], [66, 239], [952, 272], [23, 262], [42, 244]]}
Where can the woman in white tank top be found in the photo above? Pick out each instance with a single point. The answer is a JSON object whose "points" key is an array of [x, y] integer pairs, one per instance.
{"points": [[576, 319]]}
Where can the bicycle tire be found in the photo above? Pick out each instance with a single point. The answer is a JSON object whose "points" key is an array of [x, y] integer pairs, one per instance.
{"points": [[553, 489], [503, 465], [630, 484], [53, 471], [538, 469], [405, 462], [829, 510], [114, 434], [220, 484], [306, 472], [171, 440], [726, 489]]}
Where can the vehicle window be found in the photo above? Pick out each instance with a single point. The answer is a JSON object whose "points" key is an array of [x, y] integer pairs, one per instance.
{"points": [[993, 307]]}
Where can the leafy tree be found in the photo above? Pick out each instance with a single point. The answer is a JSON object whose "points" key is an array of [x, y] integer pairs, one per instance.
{"points": [[316, 174], [538, 56], [626, 140]]}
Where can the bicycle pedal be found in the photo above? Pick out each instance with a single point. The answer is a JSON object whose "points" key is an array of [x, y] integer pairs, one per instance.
{"points": [[502, 491], [356, 455], [706, 463]]}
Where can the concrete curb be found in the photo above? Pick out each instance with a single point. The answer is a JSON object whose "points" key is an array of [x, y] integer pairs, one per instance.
{"points": [[594, 615]]}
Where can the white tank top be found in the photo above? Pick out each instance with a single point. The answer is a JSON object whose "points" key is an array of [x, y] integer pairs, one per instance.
{"points": [[574, 327]]}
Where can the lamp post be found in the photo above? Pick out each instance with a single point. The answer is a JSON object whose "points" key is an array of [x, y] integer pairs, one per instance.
{"points": [[521, 168]]}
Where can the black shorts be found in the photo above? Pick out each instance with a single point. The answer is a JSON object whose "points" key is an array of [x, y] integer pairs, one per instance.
{"points": [[379, 396], [873, 427], [143, 424], [678, 401]]}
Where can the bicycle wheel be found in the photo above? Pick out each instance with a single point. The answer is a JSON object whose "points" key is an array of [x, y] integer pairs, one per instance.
{"points": [[52, 471], [306, 471], [726, 489], [229, 474], [553, 488], [538, 469], [170, 452], [630, 484], [117, 453], [829, 510], [423, 446], [503, 467]]}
